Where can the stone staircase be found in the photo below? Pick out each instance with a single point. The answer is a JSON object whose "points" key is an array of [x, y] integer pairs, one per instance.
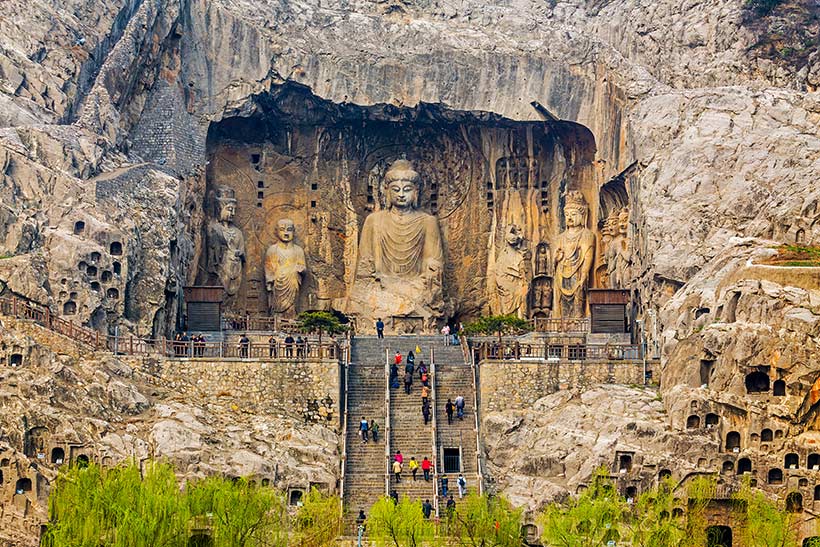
{"points": [[407, 430], [454, 377], [365, 465]]}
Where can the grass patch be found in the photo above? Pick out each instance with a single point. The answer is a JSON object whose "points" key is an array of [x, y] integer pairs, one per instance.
{"points": [[806, 256]]}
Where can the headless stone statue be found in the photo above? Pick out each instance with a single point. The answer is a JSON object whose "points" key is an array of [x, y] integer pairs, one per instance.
{"points": [[226, 244], [401, 259], [284, 269], [574, 253], [510, 277]]}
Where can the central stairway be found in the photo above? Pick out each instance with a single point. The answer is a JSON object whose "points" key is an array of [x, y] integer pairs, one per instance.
{"points": [[366, 465]]}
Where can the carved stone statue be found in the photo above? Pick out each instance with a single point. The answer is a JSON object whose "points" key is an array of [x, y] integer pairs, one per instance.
{"points": [[617, 253], [401, 259], [226, 244], [574, 254], [542, 259], [510, 276], [284, 269], [608, 231]]}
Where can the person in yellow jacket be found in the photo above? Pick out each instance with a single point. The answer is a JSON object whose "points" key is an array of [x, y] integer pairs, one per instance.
{"points": [[414, 466]]}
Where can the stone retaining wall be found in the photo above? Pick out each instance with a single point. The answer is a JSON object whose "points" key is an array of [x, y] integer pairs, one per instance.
{"points": [[505, 385], [281, 389]]}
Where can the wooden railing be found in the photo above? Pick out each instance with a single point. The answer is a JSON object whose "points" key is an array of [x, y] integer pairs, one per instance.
{"points": [[259, 323], [561, 324], [134, 345], [556, 352]]}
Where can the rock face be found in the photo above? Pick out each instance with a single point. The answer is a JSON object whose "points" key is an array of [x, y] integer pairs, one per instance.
{"points": [[63, 403], [550, 450], [680, 129]]}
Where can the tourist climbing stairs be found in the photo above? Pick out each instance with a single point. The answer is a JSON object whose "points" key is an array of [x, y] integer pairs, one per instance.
{"points": [[456, 442], [365, 470], [408, 433]]}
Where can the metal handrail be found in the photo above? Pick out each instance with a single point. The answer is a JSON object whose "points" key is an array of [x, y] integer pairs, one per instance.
{"points": [[345, 419], [387, 420], [431, 376], [470, 361]]}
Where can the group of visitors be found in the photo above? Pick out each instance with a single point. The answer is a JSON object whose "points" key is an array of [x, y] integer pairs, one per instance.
{"points": [[369, 429], [185, 346], [300, 344], [451, 335], [409, 372], [461, 482], [456, 408], [397, 467]]}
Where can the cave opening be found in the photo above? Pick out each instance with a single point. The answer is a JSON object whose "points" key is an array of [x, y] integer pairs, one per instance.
{"points": [[322, 165]]}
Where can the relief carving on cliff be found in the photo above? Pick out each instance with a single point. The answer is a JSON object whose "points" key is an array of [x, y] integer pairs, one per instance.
{"points": [[225, 244], [541, 286], [399, 274], [574, 255], [615, 256], [284, 270], [510, 287]]}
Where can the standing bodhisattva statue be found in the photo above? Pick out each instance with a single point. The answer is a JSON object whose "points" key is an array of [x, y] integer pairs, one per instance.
{"points": [[226, 244], [401, 259], [284, 269], [574, 253]]}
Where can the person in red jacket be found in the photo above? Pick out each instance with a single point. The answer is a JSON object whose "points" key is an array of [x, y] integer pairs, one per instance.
{"points": [[425, 467], [398, 358]]}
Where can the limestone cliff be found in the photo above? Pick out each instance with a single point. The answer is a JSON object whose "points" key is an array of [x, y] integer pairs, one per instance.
{"points": [[117, 118]]}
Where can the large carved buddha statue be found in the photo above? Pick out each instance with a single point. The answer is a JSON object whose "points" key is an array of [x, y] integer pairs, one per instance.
{"points": [[401, 259], [284, 269], [574, 253], [226, 244]]}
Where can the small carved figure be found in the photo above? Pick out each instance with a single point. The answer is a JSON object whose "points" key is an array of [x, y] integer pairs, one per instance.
{"points": [[226, 244], [542, 259], [574, 253], [510, 276], [284, 269]]}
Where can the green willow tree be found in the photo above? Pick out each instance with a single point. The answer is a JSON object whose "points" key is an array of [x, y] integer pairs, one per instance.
{"points": [[400, 524], [484, 521], [765, 525], [592, 519], [318, 522], [122, 507]]}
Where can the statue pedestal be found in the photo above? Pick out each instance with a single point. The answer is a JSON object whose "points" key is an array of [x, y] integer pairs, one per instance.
{"points": [[406, 305]]}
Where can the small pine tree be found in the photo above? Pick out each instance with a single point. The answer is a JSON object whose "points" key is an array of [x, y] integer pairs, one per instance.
{"points": [[498, 325], [321, 322]]}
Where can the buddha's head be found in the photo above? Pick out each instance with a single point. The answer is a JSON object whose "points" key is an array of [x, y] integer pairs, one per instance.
{"points": [[623, 221], [285, 230], [402, 185], [226, 204], [575, 210]]}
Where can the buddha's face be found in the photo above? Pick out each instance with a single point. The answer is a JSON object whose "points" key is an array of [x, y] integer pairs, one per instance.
{"points": [[227, 211], [402, 194], [286, 230], [574, 217]]}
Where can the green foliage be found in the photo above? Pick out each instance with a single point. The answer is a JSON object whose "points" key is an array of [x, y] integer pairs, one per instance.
{"points": [[321, 322], [399, 525], [656, 523], [476, 518], [318, 522], [118, 507], [498, 325], [597, 516], [241, 514], [765, 524]]}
